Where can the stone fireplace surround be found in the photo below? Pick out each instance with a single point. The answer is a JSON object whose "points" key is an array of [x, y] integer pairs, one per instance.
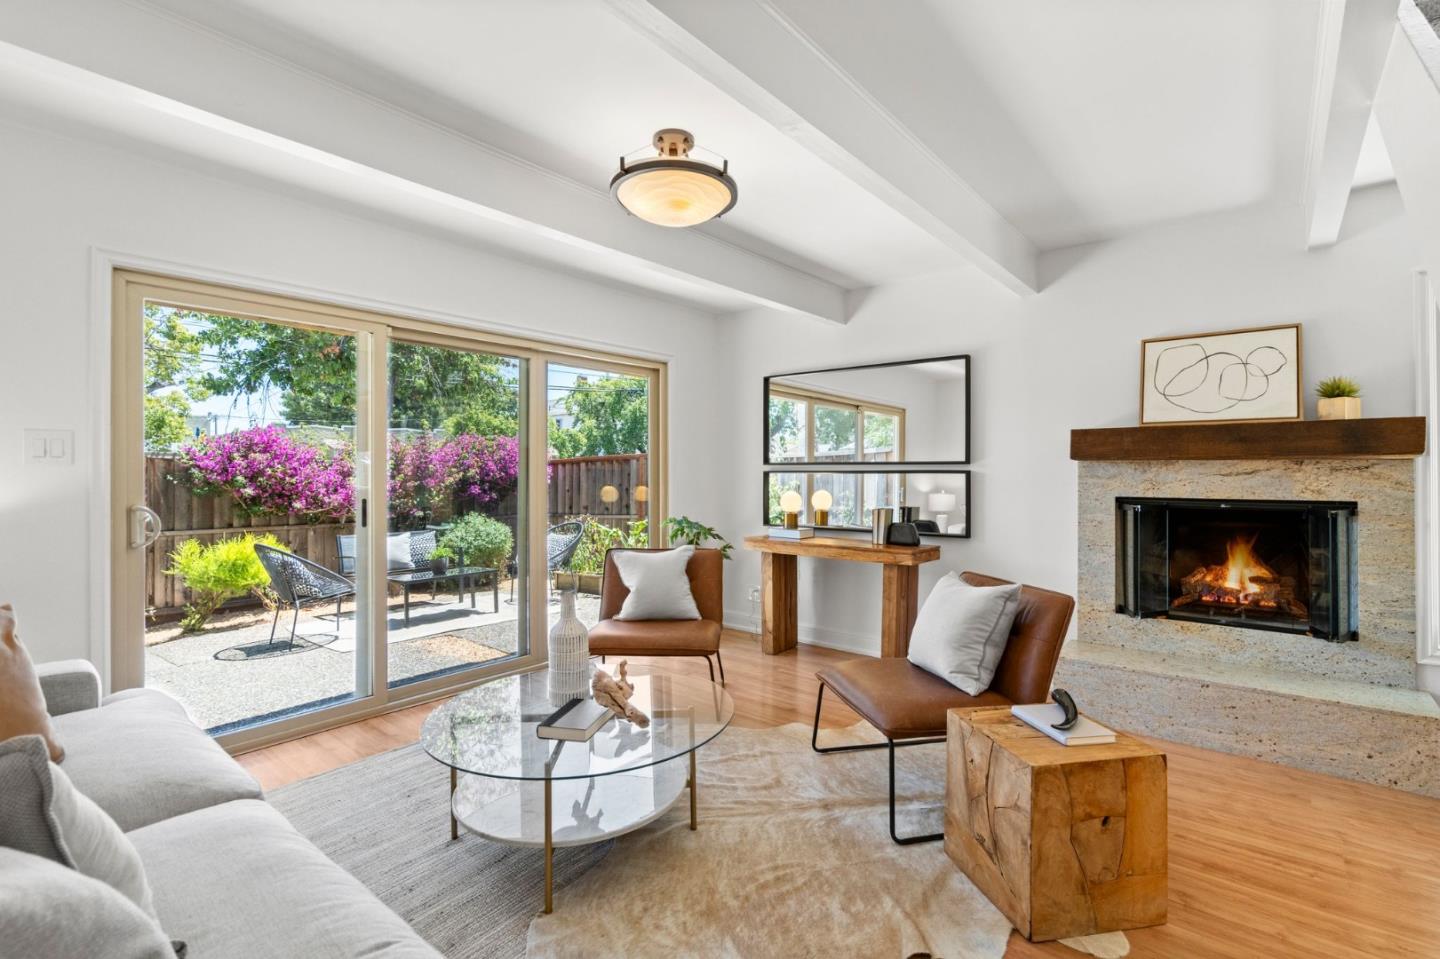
{"points": [[1349, 709]]}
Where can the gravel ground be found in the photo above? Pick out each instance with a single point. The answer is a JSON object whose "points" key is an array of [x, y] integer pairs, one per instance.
{"points": [[228, 674]]}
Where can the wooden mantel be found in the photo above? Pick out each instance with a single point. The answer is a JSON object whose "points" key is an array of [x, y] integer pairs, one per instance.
{"points": [[1396, 436]]}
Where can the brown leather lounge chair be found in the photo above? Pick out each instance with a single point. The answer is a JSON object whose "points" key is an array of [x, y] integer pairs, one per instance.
{"points": [[665, 637], [908, 704]]}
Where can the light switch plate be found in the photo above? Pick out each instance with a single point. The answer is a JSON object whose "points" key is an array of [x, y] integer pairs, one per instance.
{"points": [[49, 447]]}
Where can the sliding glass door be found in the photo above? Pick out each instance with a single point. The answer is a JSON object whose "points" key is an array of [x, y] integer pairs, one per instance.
{"points": [[319, 513], [457, 450]]}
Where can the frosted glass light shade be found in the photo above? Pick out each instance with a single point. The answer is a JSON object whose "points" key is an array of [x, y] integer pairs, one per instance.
{"points": [[942, 502], [673, 197], [790, 501], [609, 494], [821, 499]]}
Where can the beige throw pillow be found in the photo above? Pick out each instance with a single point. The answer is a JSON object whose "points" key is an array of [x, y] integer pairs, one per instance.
{"points": [[962, 630], [22, 702], [658, 582]]}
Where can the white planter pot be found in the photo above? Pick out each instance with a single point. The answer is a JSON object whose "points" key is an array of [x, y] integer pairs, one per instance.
{"points": [[1338, 407]]}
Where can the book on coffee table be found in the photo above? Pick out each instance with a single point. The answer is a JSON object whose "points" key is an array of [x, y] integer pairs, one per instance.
{"points": [[576, 721], [1043, 716]]}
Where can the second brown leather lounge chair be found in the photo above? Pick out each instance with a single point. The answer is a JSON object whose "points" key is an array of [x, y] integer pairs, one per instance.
{"points": [[908, 705]]}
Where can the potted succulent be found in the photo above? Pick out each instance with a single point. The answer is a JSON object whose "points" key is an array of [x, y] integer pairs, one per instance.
{"points": [[440, 558], [1339, 399]]}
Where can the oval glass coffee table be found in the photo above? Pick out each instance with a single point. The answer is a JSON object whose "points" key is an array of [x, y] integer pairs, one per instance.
{"points": [[509, 785]]}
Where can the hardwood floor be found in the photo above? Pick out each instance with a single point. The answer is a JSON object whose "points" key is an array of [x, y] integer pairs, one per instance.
{"points": [[1265, 861]]}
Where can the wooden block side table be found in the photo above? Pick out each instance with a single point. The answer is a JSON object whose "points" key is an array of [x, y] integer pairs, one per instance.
{"points": [[1064, 840]]}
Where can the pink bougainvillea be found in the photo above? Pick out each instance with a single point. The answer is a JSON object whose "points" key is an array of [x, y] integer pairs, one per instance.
{"points": [[268, 470]]}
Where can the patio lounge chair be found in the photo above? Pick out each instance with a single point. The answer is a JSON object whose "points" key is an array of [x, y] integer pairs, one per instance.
{"points": [[298, 582], [561, 542]]}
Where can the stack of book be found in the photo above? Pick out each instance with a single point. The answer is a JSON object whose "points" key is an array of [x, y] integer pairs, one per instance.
{"points": [[577, 721], [1044, 716]]}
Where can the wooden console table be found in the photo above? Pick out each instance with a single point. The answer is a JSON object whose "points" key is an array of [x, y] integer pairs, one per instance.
{"points": [[900, 578]]}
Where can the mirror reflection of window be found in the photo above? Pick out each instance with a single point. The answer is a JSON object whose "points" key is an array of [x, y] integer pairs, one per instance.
{"points": [[844, 489], [882, 437], [837, 434], [789, 430], [882, 490]]}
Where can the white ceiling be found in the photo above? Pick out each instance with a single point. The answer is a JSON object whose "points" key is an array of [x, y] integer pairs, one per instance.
{"points": [[569, 86], [1067, 122]]}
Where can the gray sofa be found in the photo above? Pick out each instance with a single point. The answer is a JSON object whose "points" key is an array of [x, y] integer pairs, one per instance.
{"points": [[231, 877]]}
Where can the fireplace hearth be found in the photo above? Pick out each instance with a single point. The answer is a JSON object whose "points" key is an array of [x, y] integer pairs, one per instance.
{"points": [[1286, 565]]}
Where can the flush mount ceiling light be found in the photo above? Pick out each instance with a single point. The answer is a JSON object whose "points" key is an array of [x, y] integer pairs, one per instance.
{"points": [[674, 188]]}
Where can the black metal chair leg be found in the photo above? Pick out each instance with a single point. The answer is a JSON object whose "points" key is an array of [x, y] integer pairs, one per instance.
{"points": [[721, 663], [904, 840], [294, 622], [889, 744], [712, 668], [273, 625]]}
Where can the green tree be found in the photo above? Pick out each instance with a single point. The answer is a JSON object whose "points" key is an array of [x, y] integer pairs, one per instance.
{"points": [[612, 415], [785, 438], [171, 358], [314, 373], [834, 428]]}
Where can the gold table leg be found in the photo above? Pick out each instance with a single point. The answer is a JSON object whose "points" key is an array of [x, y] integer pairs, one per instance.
{"points": [[454, 826], [549, 854], [692, 784]]}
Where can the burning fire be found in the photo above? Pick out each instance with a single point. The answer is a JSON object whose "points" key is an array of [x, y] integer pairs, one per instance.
{"points": [[1244, 579]]}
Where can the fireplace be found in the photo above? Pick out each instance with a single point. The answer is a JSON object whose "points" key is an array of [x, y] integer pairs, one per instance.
{"points": [[1285, 565]]}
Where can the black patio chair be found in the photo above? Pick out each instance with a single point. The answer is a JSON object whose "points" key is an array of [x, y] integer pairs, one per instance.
{"points": [[561, 542], [298, 582]]}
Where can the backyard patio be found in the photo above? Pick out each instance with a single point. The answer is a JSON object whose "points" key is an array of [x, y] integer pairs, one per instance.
{"points": [[229, 675]]}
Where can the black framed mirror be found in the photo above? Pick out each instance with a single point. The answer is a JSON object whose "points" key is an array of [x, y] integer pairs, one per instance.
{"points": [[899, 412], [940, 498]]}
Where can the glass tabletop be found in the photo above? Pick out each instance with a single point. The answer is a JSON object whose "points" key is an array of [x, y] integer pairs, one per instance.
{"points": [[490, 730], [425, 575]]}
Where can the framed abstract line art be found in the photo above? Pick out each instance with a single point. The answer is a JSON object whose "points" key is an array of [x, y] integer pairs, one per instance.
{"points": [[1223, 377]]}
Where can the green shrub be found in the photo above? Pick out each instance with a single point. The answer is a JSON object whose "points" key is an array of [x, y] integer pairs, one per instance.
{"points": [[1337, 386], [597, 538], [480, 540], [220, 571]]}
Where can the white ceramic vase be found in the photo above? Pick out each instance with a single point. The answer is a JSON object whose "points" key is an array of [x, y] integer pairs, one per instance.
{"points": [[569, 653]]}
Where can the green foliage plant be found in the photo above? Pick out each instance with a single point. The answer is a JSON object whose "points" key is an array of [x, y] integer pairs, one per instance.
{"points": [[216, 572], [480, 540], [598, 538], [1337, 386], [684, 530]]}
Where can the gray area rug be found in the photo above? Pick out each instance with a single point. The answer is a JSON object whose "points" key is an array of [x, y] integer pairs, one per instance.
{"points": [[386, 821], [792, 858]]}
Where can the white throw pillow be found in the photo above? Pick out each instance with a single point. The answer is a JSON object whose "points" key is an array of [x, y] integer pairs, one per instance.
{"points": [[659, 587], [397, 551], [961, 631]]}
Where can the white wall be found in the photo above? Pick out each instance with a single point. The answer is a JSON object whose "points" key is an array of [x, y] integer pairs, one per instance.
{"points": [[1069, 358], [61, 199]]}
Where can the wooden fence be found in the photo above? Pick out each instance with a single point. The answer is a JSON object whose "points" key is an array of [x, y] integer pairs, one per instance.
{"points": [[575, 491]]}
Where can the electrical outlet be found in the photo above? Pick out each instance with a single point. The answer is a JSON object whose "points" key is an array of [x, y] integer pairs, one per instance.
{"points": [[754, 594]]}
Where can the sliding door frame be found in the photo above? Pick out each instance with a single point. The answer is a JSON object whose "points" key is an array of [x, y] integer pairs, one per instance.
{"points": [[130, 289]]}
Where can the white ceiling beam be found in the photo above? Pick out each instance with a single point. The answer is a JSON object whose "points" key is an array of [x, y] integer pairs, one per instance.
{"points": [[758, 56], [1351, 45], [270, 106], [1408, 108]]}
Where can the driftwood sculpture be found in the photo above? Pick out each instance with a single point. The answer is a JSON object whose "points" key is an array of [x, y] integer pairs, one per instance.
{"points": [[614, 694]]}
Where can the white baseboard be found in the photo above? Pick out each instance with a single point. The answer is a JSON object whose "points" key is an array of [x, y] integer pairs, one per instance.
{"points": [[863, 644]]}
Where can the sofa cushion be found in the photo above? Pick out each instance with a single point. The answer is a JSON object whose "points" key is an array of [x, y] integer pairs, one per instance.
{"points": [[142, 759], [658, 582], [659, 637], [899, 698], [22, 701], [237, 880], [53, 911]]}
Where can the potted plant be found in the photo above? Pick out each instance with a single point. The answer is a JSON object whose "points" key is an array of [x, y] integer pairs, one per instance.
{"points": [[683, 529], [1339, 399], [587, 566], [440, 558]]}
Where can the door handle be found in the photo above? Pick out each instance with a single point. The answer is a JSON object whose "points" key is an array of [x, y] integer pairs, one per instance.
{"points": [[145, 527]]}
